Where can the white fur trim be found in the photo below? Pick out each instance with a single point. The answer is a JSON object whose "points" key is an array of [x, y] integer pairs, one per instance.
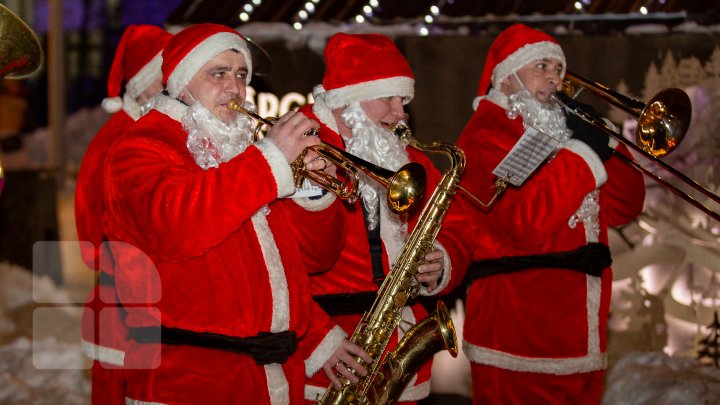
{"points": [[276, 273], [527, 54], [402, 86], [130, 401], [591, 158], [211, 47], [171, 107], [324, 114], [413, 393], [446, 275], [324, 350], [314, 393], [317, 204], [594, 287], [498, 97], [111, 104], [149, 74], [476, 102], [279, 165], [594, 360], [131, 107], [557, 366], [103, 354], [277, 385]]}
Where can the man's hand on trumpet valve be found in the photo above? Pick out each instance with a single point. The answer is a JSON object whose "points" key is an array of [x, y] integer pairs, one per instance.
{"points": [[288, 133], [431, 271]]}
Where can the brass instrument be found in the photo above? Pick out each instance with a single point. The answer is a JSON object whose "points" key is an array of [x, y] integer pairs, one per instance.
{"points": [[20, 52], [390, 372], [405, 187], [662, 124]]}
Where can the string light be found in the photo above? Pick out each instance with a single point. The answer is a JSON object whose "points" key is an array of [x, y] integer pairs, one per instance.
{"points": [[580, 5], [429, 18], [248, 9], [304, 14], [368, 11]]}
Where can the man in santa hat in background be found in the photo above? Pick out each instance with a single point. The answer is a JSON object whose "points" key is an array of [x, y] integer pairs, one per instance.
{"points": [[366, 83], [135, 77], [210, 254], [535, 326]]}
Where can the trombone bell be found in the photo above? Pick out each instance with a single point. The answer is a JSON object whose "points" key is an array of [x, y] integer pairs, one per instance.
{"points": [[663, 123]]}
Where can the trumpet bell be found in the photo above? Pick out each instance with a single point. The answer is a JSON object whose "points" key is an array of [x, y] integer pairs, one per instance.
{"points": [[406, 188], [20, 52], [663, 122]]}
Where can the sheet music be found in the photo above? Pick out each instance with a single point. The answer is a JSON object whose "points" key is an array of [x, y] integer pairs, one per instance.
{"points": [[526, 155]]}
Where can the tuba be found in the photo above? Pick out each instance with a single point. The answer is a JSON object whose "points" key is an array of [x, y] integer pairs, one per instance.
{"points": [[390, 372], [20, 52]]}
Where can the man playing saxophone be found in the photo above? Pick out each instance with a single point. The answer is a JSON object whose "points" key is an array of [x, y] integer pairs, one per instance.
{"points": [[366, 83]]}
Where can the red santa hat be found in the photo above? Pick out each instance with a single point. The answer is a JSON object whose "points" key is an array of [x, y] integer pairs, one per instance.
{"points": [[136, 64], [361, 67], [514, 48], [190, 49]]}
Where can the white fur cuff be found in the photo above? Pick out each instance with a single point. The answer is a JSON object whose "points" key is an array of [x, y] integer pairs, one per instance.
{"points": [[318, 204], [324, 350], [279, 165], [591, 158]]}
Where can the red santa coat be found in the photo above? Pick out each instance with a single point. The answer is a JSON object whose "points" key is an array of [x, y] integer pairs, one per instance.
{"points": [[548, 321], [215, 251], [103, 330], [352, 271]]}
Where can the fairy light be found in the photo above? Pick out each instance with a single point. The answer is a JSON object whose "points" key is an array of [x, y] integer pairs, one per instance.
{"points": [[429, 18], [248, 9], [643, 10], [367, 11], [304, 14]]}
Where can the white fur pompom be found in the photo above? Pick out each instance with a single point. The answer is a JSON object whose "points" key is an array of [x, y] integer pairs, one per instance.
{"points": [[112, 104]]}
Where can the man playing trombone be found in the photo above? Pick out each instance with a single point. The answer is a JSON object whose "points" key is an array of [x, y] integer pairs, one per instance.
{"points": [[366, 83], [535, 328]]}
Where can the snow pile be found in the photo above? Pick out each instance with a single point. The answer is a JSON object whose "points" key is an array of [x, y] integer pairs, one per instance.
{"points": [[654, 378]]}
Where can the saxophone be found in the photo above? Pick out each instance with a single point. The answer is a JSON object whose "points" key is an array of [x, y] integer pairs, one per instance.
{"points": [[390, 372]]}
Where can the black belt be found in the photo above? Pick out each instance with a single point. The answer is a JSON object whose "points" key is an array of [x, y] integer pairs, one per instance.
{"points": [[346, 304], [590, 259], [106, 279], [264, 348]]}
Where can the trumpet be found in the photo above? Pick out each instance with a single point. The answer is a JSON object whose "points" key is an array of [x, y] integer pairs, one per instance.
{"points": [[662, 124], [405, 187]]}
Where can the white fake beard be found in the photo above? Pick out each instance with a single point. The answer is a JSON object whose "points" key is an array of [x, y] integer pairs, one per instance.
{"points": [[547, 118], [212, 141], [376, 145]]}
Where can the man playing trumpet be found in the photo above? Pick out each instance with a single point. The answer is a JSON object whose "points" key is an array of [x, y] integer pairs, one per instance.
{"points": [[210, 255]]}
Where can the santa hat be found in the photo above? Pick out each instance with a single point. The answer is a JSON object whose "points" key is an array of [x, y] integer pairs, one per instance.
{"points": [[361, 67], [514, 48], [190, 49], [136, 64]]}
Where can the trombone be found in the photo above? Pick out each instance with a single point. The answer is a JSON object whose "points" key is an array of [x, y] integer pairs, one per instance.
{"points": [[662, 124], [405, 187]]}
